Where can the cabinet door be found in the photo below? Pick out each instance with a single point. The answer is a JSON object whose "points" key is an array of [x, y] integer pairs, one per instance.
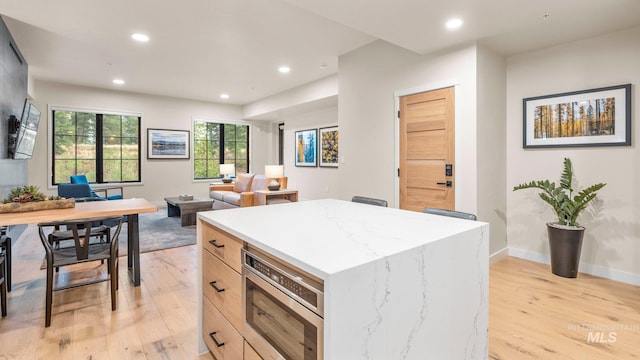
{"points": [[223, 286], [224, 342], [249, 353], [222, 245]]}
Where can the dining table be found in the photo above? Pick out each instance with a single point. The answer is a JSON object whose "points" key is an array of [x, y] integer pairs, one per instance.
{"points": [[130, 208]]}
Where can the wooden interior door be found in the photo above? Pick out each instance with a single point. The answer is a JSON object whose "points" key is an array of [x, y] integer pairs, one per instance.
{"points": [[426, 147]]}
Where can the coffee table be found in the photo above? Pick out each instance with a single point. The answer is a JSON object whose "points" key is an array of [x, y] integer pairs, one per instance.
{"points": [[187, 209]]}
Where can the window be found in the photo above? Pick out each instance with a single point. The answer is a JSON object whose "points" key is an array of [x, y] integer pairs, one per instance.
{"points": [[104, 147], [219, 143]]}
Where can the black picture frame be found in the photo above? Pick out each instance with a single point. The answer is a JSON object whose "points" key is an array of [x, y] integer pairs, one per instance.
{"points": [[328, 146], [593, 117]]}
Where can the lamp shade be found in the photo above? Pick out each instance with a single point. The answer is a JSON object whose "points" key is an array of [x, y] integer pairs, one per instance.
{"points": [[273, 171], [227, 169]]}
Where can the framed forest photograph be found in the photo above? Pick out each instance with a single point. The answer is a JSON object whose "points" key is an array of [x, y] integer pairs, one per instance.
{"points": [[595, 117], [306, 154], [329, 147]]}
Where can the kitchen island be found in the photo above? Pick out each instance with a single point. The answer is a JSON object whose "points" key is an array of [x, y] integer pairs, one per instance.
{"points": [[397, 284]]}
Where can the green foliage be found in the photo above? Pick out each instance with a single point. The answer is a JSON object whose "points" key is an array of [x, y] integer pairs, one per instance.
{"points": [[216, 143], [24, 194], [76, 146], [566, 206]]}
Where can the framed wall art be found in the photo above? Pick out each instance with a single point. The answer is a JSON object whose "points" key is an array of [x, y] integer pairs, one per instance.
{"points": [[595, 117], [167, 144], [306, 153], [329, 147]]}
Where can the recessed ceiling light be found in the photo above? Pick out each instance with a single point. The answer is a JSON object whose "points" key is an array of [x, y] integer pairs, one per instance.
{"points": [[453, 24], [140, 37], [224, 96], [284, 69], [118, 81]]}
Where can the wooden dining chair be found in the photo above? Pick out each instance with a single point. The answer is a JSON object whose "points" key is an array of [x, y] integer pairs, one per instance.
{"points": [[81, 251]]}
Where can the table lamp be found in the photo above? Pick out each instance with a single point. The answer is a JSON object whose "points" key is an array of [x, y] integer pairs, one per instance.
{"points": [[226, 170], [273, 172]]}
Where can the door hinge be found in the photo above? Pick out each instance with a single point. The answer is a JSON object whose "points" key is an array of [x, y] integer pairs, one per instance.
{"points": [[398, 114], [398, 172]]}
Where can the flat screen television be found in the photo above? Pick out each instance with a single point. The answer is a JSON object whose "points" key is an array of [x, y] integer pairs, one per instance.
{"points": [[26, 139]]}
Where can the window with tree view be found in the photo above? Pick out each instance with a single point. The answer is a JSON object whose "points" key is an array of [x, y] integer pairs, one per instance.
{"points": [[219, 143], [104, 147]]}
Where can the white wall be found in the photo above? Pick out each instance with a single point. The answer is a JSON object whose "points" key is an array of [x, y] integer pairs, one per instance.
{"points": [[368, 79], [161, 178], [298, 97], [311, 182], [611, 245]]}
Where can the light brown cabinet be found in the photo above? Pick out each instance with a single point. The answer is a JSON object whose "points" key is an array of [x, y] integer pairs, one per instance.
{"points": [[249, 353], [222, 339], [223, 287], [224, 246], [222, 295]]}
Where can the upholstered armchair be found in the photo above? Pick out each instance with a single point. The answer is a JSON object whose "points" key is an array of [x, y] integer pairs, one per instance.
{"points": [[80, 192], [82, 179]]}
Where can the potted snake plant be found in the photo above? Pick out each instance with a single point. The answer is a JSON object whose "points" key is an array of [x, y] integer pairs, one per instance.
{"points": [[565, 234]]}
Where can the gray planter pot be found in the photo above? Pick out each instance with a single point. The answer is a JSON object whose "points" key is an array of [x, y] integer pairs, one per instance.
{"points": [[565, 245]]}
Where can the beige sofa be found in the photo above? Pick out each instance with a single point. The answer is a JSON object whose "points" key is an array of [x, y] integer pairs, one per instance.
{"points": [[241, 192]]}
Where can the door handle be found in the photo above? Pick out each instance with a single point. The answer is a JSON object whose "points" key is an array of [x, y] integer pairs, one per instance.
{"points": [[446, 183]]}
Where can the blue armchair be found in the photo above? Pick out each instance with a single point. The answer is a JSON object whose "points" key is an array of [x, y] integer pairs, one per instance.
{"points": [[82, 179], [81, 192]]}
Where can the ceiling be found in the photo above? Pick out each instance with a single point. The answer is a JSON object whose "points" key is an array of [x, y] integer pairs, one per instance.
{"points": [[199, 49]]}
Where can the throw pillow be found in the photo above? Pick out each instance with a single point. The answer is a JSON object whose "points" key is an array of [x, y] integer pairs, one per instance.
{"points": [[242, 182]]}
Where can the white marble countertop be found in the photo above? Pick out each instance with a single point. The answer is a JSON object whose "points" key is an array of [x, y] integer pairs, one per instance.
{"points": [[325, 237]]}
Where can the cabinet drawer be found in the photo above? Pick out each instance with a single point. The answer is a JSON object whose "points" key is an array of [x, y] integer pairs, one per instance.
{"points": [[223, 286], [249, 353], [222, 245], [229, 342]]}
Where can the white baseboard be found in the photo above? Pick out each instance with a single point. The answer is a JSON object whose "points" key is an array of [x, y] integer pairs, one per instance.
{"points": [[529, 255], [498, 255], [596, 270]]}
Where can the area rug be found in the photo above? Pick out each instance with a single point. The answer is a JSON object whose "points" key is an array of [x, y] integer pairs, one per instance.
{"points": [[158, 232]]}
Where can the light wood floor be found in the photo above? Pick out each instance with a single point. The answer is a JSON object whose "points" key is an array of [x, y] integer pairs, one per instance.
{"points": [[156, 320], [533, 313], [537, 315]]}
